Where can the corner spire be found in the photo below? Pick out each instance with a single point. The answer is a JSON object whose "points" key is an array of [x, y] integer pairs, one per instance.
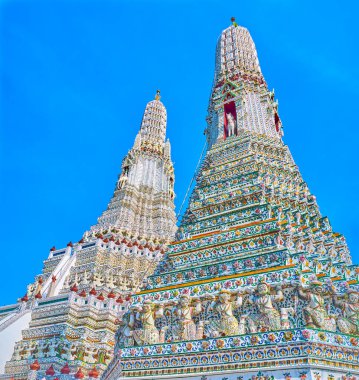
{"points": [[142, 204]]}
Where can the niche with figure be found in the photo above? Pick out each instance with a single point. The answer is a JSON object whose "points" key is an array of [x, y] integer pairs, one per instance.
{"points": [[123, 178], [230, 119], [171, 185]]}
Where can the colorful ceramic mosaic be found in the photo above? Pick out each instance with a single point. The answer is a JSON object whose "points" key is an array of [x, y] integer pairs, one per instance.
{"points": [[257, 279], [255, 286]]}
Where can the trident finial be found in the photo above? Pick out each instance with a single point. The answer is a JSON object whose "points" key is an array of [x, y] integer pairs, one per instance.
{"points": [[233, 20], [158, 96]]}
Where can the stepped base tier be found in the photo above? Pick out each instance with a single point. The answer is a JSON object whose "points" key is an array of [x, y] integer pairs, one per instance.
{"points": [[258, 276], [255, 286], [285, 354]]}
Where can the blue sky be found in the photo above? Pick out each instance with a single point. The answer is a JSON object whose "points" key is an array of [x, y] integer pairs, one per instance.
{"points": [[76, 76]]}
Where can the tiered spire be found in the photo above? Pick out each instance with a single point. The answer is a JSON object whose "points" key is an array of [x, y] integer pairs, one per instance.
{"points": [[142, 204]]}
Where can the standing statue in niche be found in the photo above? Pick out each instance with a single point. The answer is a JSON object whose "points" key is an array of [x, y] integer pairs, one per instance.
{"points": [[123, 178], [224, 306], [231, 124], [186, 329], [34, 288], [148, 334], [31, 288], [315, 314], [348, 322], [269, 317]]}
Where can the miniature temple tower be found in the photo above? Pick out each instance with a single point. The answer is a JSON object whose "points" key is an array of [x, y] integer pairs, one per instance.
{"points": [[257, 285], [68, 317]]}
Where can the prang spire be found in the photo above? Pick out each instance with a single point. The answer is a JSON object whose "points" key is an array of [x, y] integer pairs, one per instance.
{"points": [[142, 204]]}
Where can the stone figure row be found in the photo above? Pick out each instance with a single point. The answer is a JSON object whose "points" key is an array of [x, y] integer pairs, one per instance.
{"points": [[139, 328], [55, 347], [316, 313]]}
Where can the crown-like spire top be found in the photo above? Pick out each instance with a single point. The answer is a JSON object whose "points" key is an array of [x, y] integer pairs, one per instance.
{"points": [[236, 51], [154, 120]]}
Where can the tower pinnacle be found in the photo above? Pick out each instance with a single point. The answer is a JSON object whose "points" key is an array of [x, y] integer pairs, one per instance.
{"points": [[240, 97], [158, 96]]}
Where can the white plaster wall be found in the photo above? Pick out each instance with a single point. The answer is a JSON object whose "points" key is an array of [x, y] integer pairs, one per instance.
{"points": [[9, 336]]}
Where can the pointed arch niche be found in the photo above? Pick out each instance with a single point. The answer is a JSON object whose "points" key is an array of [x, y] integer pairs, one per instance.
{"points": [[230, 116]]}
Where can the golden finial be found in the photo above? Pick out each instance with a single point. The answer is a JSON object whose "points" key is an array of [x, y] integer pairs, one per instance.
{"points": [[233, 20], [158, 96]]}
